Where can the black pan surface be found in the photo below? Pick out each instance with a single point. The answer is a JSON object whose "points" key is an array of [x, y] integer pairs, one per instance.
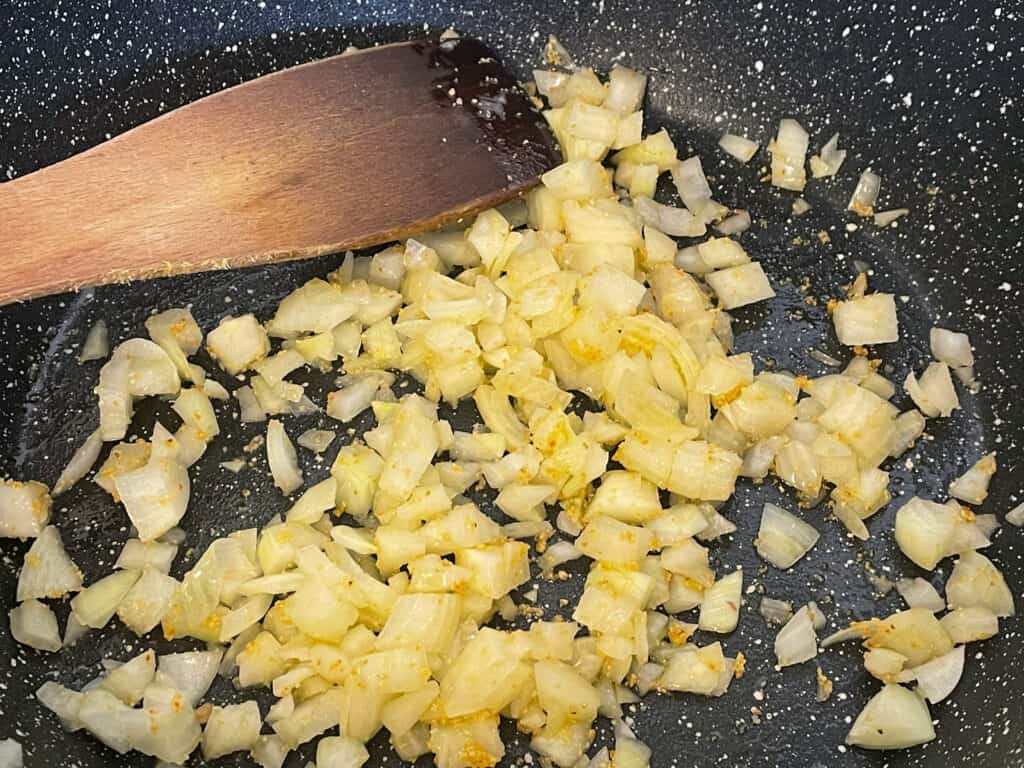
{"points": [[929, 95]]}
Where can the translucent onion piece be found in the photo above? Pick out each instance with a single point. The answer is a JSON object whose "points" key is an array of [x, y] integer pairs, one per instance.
{"points": [[918, 593], [738, 147], [33, 624], [251, 410], [720, 608], [129, 680], [797, 641], [96, 604], [626, 89], [47, 571], [951, 348], [231, 728], [24, 509], [238, 343], [829, 160], [800, 207], [867, 320], [895, 718], [972, 486], [97, 343], [970, 624], [191, 672], [284, 464], [11, 754], [312, 504], [789, 152], [937, 679], [775, 611], [677, 222], [733, 225], [155, 496], [147, 601], [885, 218], [866, 193], [934, 393], [80, 463], [316, 440], [783, 538], [975, 581], [1016, 516], [739, 286]]}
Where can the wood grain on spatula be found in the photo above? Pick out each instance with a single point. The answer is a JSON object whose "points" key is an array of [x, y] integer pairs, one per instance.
{"points": [[346, 152]]}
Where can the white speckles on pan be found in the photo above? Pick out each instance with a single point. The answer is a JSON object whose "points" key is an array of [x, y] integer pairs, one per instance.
{"points": [[928, 97]]}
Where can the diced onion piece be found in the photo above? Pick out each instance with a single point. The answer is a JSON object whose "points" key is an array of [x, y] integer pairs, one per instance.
{"points": [[924, 531], [933, 393], [97, 343], [345, 404], [864, 196], [33, 624], [215, 390], [95, 605], [231, 728], [972, 486], [885, 218], [312, 504], [789, 152], [829, 160], [721, 252], [47, 571], [909, 426], [692, 185], [147, 601], [867, 320], [626, 89], [783, 538], [720, 608], [552, 86], [677, 222], [251, 410], [739, 286], [284, 464], [951, 348], [316, 440], [975, 581], [733, 225], [739, 147], [155, 496], [1016, 516], [775, 611], [800, 207], [936, 679], [80, 463], [24, 509], [918, 593], [238, 343], [129, 680], [895, 718], [970, 624], [191, 672], [797, 641]]}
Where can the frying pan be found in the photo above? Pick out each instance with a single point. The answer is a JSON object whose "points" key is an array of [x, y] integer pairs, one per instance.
{"points": [[927, 96]]}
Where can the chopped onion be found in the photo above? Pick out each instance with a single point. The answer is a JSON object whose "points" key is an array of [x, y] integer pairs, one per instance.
{"points": [[797, 642], [864, 196], [191, 672], [800, 207], [155, 496], [238, 343], [284, 464], [885, 218], [1016, 516], [972, 486], [147, 601], [975, 581], [48, 572], [11, 754], [720, 252], [783, 538], [733, 225], [895, 718], [739, 286], [251, 410], [934, 393], [720, 608], [677, 222], [884, 664], [867, 320], [129, 681], [33, 624], [775, 611], [951, 348], [970, 624], [789, 151], [24, 509], [95, 605], [829, 160], [316, 440], [738, 147], [918, 593], [80, 463], [936, 679], [231, 728], [97, 343], [692, 185]]}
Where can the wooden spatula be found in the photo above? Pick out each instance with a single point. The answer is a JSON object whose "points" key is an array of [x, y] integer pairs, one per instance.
{"points": [[346, 152]]}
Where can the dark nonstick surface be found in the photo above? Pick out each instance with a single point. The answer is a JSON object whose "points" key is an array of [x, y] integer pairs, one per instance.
{"points": [[929, 97]]}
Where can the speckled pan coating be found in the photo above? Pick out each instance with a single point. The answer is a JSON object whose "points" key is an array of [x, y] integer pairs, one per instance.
{"points": [[929, 97]]}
